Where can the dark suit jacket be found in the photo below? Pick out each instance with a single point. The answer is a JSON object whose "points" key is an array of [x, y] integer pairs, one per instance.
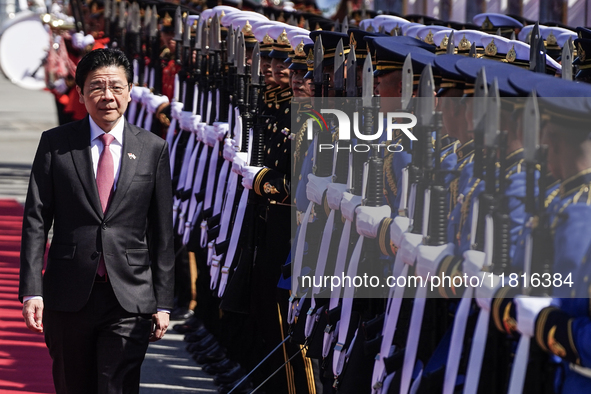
{"points": [[134, 235]]}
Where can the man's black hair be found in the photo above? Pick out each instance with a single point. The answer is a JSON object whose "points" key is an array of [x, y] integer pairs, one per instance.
{"points": [[100, 58]]}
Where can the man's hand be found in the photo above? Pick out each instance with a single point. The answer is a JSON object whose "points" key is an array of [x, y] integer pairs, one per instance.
{"points": [[33, 314], [160, 323]]}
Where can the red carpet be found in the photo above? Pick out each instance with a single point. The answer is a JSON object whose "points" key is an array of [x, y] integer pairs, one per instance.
{"points": [[25, 365]]}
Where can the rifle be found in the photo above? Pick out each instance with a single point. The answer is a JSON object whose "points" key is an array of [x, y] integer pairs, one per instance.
{"points": [[539, 244], [372, 197]]}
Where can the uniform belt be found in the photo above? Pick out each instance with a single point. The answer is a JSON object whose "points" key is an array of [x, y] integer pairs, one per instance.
{"points": [[586, 372]]}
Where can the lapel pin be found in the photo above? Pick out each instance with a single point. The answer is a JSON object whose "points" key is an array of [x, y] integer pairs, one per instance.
{"points": [[131, 156]]}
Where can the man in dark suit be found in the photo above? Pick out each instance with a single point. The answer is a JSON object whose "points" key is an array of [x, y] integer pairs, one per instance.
{"points": [[105, 186]]}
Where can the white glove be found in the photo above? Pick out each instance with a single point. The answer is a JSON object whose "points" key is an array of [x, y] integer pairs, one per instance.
{"points": [[88, 40], [473, 262], [527, 311], [409, 246], [429, 258], [221, 128], [230, 148], [210, 136], [175, 108], [138, 92], [369, 219], [398, 227], [486, 292], [154, 102], [78, 40], [60, 86], [146, 95], [186, 120], [316, 186], [238, 162], [248, 175], [334, 195], [348, 205]]}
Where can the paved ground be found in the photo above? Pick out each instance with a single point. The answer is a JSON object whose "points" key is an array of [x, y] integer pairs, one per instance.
{"points": [[24, 114]]}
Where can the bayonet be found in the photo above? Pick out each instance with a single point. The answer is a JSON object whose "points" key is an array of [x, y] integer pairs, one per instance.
{"points": [[541, 58], [567, 61], [533, 46], [345, 26], [493, 107], [531, 128], [480, 92], [147, 19], [186, 33], [318, 67], [407, 82], [178, 25], [231, 49], [107, 16], [478, 112], [513, 36], [498, 32], [339, 69], [450, 44], [352, 74], [198, 32], [214, 34], [472, 52], [113, 12], [241, 55], [255, 67], [367, 84], [121, 15], [154, 22], [427, 101]]}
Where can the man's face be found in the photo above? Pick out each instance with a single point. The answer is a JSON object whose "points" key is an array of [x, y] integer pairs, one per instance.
{"points": [[106, 95], [389, 85], [267, 71], [280, 72], [299, 85]]}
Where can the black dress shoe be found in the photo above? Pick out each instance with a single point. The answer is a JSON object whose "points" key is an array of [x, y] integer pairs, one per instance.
{"points": [[181, 314], [220, 367], [199, 347], [196, 336], [218, 353], [193, 324], [244, 387], [233, 375]]}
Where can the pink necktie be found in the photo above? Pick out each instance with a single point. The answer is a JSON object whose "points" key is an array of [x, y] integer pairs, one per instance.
{"points": [[105, 177]]}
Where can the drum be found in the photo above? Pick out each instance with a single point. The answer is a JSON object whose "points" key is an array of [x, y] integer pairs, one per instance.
{"points": [[23, 47]]}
